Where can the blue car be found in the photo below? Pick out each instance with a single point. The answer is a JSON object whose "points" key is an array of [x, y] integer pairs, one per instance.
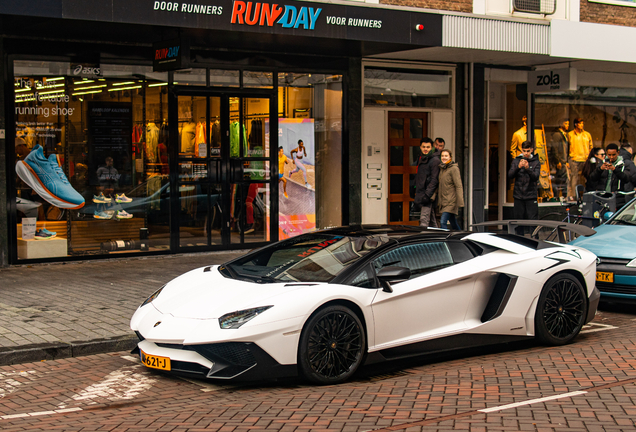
{"points": [[615, 246]]}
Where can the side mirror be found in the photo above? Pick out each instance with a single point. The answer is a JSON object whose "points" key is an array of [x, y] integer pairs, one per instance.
{"points": [[608, 215], [392, 274]]}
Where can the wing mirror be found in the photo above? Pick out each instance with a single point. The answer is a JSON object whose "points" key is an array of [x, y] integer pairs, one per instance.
{"points": [[392, 274]]}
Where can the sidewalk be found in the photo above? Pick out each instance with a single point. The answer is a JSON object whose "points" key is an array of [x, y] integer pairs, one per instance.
{"points": [[52, 311]]}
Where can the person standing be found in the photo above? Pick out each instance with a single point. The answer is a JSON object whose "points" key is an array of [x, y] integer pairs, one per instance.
{"points": [[519, 137], [450, 195], [525, 170], [558, 158], [614, 174], [594, 159], [426, 181], [439, 146], [580, 146]]}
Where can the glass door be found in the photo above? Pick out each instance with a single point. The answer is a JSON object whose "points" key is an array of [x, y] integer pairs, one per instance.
{"points": [[200, 190], [223, 170], [249, 169]]}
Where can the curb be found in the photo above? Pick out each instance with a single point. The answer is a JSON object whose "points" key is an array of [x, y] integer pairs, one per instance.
{"points": [[60, 350]]}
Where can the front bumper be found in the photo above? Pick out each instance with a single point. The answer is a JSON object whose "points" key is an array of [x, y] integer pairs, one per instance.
{"points": [[624, 286], [237, 361]]}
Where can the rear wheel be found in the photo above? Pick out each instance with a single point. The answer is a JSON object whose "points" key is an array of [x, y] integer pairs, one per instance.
{"points": [[332, 345], [561, 310]]}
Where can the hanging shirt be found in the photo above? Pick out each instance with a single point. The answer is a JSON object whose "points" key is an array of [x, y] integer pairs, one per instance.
{"points": [[188, 137], [234, 140], [152, 140]]}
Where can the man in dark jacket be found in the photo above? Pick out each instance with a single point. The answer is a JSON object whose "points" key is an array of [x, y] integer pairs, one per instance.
{"points": [[558, 158], [426, 181], [614, 175], [525, 170], [625, 151]]}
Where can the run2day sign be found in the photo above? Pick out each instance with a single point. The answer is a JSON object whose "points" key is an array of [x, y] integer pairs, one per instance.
{"points": [[291, 18]]}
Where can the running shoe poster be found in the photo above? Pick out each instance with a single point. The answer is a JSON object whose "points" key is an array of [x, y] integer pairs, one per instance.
{"points": [[297, 210]]}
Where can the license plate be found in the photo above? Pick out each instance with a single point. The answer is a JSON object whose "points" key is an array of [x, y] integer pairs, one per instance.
{"points": [[605, 277], [155, 362]]}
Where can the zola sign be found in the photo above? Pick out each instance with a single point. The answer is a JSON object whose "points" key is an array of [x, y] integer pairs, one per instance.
{"points": [[551, 80]]}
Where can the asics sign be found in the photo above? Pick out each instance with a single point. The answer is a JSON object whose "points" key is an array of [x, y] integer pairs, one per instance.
{"points": [[83, 70], [266, 14]]}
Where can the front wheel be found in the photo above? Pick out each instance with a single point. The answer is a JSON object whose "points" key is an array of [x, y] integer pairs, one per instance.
{"points": [[332, 345], [561, 310]]}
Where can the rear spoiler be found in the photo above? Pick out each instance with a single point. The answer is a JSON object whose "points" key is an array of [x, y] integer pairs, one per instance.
{"points": [[561, 227]]}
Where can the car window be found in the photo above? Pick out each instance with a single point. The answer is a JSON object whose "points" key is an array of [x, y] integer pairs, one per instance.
{"points": [[364, 279], [420, 258]]}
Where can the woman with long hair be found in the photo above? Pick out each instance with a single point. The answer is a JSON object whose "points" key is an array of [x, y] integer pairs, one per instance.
{"points": [[450, 192], [594, 159]]}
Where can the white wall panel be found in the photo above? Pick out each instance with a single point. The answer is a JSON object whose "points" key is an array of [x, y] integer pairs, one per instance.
{"points": [[374, 135]]}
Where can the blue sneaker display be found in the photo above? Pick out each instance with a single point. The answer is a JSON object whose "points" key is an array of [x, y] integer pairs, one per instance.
{"points": [[102, 215], [46, 178], [44, 234]]}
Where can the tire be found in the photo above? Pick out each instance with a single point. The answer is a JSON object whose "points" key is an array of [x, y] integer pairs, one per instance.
{"points": [[561, 310], [332, 345]]}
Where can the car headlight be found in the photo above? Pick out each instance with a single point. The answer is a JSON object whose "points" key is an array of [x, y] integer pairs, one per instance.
{"points": [[234, 320], [152, 297], [632, 263]]}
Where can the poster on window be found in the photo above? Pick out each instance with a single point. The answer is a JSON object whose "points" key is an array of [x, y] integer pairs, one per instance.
{"points": [[297, 177]]}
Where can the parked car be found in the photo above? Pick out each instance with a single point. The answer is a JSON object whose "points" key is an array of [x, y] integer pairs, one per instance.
{"points": [[615, 246], [324, 303]]}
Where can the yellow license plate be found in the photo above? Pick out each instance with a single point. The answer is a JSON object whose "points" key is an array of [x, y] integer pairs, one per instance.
{"points": [[155, 362], [605, 277]]}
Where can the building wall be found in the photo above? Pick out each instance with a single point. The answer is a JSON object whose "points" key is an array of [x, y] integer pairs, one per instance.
{"points": [[608, 14], [456, 6]]}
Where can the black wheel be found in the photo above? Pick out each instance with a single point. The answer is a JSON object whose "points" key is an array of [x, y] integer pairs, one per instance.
{"points": [[561, 310], [332, 346]]}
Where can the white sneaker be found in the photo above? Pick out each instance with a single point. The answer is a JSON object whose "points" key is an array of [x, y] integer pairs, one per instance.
{"points": [[122, 214]]}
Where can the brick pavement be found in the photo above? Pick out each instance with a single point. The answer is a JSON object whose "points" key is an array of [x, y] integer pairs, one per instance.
{"points": [[60, 310], [420, 395]]}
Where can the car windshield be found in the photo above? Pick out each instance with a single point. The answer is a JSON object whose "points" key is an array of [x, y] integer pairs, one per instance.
{"points": [[317, 257], [626, 215]]}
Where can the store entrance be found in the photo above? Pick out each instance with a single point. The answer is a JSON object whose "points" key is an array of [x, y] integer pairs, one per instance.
{"points": [[223, 168]]}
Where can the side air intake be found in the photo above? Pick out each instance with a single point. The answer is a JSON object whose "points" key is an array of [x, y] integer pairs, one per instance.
{"points": [[499, 297]]}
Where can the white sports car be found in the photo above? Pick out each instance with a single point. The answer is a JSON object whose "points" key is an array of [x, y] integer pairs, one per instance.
{"points": [[324, 303]]}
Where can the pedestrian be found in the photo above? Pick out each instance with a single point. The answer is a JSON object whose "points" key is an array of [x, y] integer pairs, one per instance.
{"points": [[558, 158], [439, 146], [614, 174], [626, 151], [594, 159], [426, 181], [450, 193], [580, 146], [525, 170]]}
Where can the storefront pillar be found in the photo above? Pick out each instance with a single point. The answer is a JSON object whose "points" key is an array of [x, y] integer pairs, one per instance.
{"points": [[352, 201], [4, 234], [478, 142]]}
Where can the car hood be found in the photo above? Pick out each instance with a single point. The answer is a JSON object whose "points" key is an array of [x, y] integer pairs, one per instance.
{"points": [[610, 241], [204, 294]]}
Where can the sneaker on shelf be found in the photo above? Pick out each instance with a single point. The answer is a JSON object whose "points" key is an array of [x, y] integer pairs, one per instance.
{"points": [[50, 233], [101, 199], [102, 215], [46, 178], [42, 235], [249, 229], [285, 193], [122, 214], [122, 198]]}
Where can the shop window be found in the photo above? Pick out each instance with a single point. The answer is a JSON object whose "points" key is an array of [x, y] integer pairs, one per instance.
{"points": [[544, 7], [191, 77], [92, 160], [407, 88], [258, 79], [224, 78], [310, 161]]}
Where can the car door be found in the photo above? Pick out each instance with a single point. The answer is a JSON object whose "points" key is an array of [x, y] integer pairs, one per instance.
{"points": [[432, 302]]}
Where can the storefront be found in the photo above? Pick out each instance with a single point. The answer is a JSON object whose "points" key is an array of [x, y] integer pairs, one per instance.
{"points": [[161, 127]]}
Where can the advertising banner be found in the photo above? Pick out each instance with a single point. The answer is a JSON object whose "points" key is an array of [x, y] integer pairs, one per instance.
{"points": [[297, 186]]}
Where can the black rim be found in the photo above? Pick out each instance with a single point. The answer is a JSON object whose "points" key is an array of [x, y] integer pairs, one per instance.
{"points": [[563, 311], [335, 345]]}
